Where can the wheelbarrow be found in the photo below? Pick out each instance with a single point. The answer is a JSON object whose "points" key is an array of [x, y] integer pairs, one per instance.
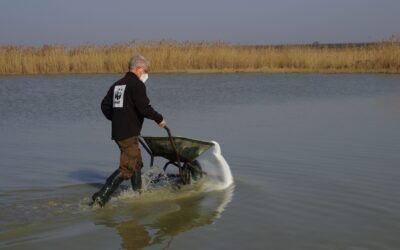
{"points": [[179, 151]]}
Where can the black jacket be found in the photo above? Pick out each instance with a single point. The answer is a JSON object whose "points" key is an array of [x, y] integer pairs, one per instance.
{"points": [[126, 105]]}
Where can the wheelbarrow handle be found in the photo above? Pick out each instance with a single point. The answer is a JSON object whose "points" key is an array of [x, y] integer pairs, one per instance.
{"points": [[168, 131], [182, 169], [173, 145]]}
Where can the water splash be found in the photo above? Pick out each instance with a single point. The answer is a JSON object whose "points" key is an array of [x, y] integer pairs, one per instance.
{"points": [[155, 174]]}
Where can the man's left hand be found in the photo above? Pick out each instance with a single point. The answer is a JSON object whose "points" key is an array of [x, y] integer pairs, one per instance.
{"points": [[162, 124]]}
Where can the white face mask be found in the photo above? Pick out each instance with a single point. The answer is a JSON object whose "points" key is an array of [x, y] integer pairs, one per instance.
{"points": [[144, 77]]}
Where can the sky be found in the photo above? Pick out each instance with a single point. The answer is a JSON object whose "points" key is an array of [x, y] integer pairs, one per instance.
{"points": [[73, 22]]}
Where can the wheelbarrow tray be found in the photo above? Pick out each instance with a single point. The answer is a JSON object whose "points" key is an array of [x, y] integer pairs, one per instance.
{"points": [[188, 149]]}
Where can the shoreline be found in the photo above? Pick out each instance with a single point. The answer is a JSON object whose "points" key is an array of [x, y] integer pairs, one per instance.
{"points": [[201, 57], [271, 71]]}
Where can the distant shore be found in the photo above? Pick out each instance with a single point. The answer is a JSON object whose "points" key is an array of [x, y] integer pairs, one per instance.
{"points": [[203, 57]]}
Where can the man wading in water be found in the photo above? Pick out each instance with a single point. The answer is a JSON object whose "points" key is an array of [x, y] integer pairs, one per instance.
{"points": [[126, 105]]}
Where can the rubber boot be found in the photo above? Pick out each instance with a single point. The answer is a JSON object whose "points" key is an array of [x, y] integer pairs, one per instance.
{"points": [[136, 180], [103, 195]]}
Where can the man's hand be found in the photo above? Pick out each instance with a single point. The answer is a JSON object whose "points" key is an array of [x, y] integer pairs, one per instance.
{"points": [[162, 124]]}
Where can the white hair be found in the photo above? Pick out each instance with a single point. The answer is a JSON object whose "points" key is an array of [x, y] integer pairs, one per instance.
{"points": [[138, 61]]}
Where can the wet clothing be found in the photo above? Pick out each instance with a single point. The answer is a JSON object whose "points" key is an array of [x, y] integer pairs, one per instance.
{"points": [[130, 158], [126, 105]]}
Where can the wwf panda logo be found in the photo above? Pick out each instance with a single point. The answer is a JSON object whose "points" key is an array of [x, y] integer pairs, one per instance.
{"points": [[118, 100], [118, 94]]}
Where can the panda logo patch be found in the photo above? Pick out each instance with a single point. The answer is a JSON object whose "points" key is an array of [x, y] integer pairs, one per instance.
{"points": [[118, 97]]}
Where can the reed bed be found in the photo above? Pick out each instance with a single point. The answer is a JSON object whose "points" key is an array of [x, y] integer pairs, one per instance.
{"points": [[172, 56]]}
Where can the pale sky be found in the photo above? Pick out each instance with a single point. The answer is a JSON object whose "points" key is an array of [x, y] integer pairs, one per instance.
{"points": [[73, 22]]}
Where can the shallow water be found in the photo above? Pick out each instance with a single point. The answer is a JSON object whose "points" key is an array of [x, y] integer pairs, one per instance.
{"points": [[315, 160]]}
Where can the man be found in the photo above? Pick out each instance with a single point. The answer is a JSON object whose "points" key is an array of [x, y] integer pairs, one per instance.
{"points": [[126, 105]]}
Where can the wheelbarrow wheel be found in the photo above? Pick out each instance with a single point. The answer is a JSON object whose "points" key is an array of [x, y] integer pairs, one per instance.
{"points": [[195, 170]]}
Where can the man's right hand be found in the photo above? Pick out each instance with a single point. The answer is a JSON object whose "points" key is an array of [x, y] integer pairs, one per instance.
{"points": [[162, 124]]}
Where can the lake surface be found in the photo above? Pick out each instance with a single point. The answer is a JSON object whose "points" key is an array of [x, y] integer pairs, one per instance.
{"points": [[315, 161]]}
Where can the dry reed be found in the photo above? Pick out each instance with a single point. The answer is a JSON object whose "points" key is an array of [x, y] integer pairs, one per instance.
{"points": [[171, 56]]}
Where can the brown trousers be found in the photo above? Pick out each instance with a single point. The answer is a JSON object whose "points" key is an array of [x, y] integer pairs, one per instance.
{"points": [[130, 158]]}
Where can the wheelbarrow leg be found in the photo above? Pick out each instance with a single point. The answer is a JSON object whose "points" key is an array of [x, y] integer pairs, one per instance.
{"points": [[148, 151]]}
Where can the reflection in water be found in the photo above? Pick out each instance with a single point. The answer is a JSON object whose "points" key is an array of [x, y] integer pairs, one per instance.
{"points": [[158, 222]]}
